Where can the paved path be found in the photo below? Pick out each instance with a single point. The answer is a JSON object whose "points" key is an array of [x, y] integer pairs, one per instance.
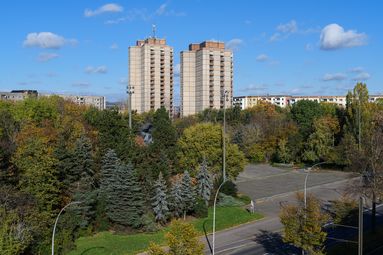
{"points": [[270, 187]]}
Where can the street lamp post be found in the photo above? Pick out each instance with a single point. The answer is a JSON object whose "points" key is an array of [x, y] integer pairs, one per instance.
{"points": [[57, 219], [130, 91], [305, 186], [215, 202], [225, 92]]}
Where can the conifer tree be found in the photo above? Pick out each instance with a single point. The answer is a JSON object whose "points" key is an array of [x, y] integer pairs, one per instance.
{"points": [[176, 199], [109, 181], [187, 193], [109, 168], [82, 177], [204, 182], [129, 196], [160, 200]]}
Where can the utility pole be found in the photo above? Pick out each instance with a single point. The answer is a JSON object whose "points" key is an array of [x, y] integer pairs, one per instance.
{"points": [[130, 91], [360, 227]]}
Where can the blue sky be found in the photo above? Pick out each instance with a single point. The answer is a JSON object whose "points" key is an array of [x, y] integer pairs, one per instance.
{"points": [[280, 47]]}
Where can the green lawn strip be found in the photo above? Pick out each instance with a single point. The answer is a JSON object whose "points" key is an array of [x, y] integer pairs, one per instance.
{"points": [[106, 243]]}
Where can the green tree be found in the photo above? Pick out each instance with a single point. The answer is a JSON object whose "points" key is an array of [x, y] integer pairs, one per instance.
{"points": [[15, 236], [204, 183], [205, 141], [303, 227], [304, 112], [160, 200], [176, 199], [187, 193], [182, 239], [320, 143], [82, 180]]}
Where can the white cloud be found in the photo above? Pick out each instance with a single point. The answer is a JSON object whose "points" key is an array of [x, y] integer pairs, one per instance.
{"points": [[103, 9], [234, 44], [334, 77], [99, 69], [123, 81], [114, 46], [145, 14], [177, 70], [335, 37], [81, 84], [46, 40], [161, 10], [357, 69], [45, 56], [290, 27], [262, 58], [363, 76], [284, 31]]}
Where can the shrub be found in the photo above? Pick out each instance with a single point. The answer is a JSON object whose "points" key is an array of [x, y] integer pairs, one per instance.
{"points": [[200, 209], [149, 222], [229, 188], [225, 200], [244, 198]]}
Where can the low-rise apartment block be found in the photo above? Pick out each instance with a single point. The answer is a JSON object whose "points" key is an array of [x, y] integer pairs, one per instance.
{"points": [[245, 102], [98, 102]]}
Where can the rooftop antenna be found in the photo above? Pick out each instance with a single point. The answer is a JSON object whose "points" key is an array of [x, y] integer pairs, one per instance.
{"points": [[154, 31]]}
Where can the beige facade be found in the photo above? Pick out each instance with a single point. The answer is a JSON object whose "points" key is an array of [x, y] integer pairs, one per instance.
{"points": [[98, 102], [245, 102], [151, 75], [206, 72]]}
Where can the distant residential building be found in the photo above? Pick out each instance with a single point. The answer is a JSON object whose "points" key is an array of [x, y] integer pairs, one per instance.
{"points": [[151, 75], [98, 102], [245, 102], [19, 95], [206, 72]]}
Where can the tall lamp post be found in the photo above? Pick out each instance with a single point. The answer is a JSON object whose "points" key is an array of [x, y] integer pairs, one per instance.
{"points": [[307, 175], [57, 219], [130, 91], [225, 92]]}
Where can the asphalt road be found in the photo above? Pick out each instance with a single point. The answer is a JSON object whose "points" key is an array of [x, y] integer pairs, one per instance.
{"points": [[270, 187]]}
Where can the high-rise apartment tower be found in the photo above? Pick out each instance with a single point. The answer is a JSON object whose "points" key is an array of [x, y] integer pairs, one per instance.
{"points": [[151, 75], [206, 73]]}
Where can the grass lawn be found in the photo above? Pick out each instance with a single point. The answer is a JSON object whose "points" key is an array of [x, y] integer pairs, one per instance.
{"points": [[106, 243]]}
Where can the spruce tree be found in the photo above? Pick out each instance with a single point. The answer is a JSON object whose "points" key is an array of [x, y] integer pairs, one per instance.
{"points": [[110, 164], [160, 200], [176, 199], [109, 182], [187, 193], [128, 195], [204, 183], [82, 177]]}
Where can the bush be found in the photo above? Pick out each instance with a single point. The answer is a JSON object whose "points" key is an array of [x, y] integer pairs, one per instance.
{"points": [[225, 200], [149, 223], [244, 198], [345, 211], [229, 188], [200, 209]]}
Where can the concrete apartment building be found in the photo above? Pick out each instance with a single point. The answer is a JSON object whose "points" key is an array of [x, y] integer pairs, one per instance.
{"points": [[18, 95], [245, 102], [206, 72], [98, 102], [151, 75]]}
